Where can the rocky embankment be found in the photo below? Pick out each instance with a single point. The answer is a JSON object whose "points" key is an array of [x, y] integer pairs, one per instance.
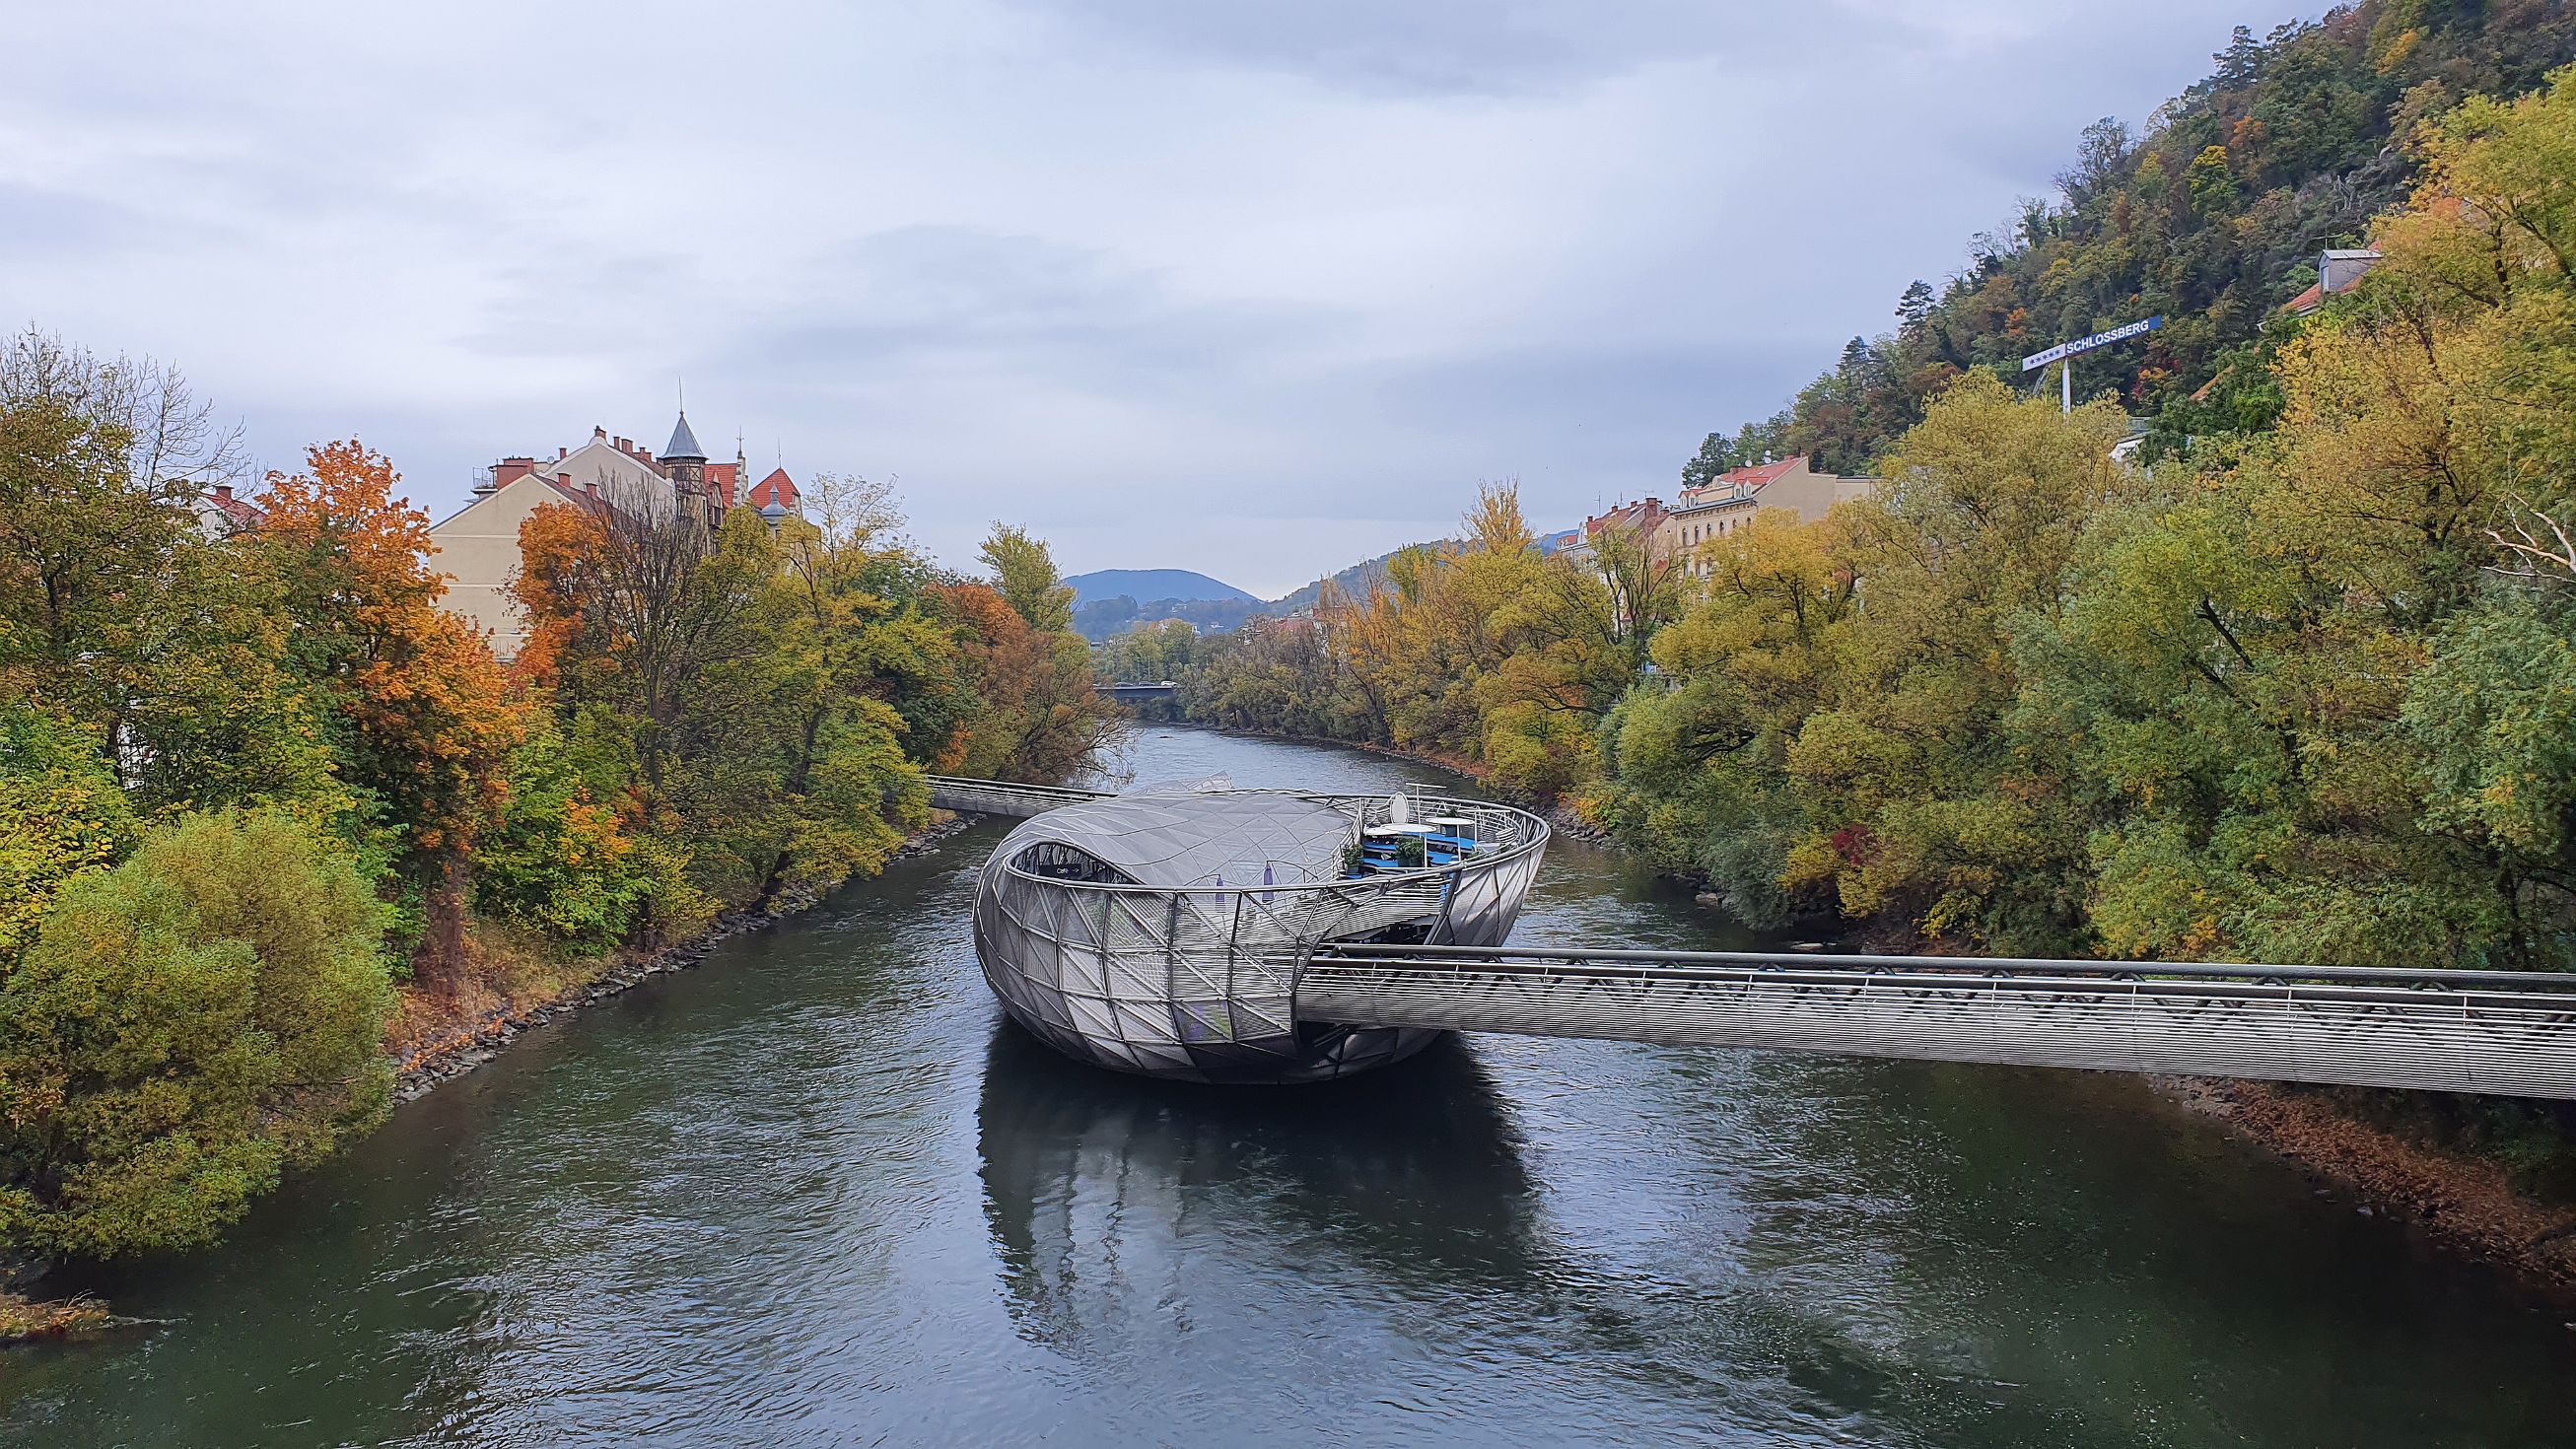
{"points": [[2466, 1201]]}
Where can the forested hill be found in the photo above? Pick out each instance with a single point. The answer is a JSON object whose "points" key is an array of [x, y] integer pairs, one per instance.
{"points": [[1151, 586], [1358, 581], [2212, 215]]}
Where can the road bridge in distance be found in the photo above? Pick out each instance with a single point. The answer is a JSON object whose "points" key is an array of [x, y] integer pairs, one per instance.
{"points": [[2502, 1033], [1141, 689]]}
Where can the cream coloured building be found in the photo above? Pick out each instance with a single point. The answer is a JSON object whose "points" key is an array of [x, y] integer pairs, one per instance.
{"points": [[478, 545], [1729, 501]]}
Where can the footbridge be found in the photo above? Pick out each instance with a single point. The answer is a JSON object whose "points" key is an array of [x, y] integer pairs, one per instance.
{"points": [[1006, 798], [2497, 1032], [1175, 975]]}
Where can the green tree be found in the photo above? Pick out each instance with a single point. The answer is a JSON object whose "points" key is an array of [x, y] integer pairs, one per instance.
{"points": [[1919, 800], [62, 817], [1025, 572], [185, 1027]]}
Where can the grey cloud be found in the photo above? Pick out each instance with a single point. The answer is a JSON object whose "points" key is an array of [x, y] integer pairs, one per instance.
{"points": [[1470, 46], [941, 294], [41, 221], [1258, 289]]}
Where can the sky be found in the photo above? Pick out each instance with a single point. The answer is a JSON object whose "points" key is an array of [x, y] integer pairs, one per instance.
{"points": [[1258, 290]]}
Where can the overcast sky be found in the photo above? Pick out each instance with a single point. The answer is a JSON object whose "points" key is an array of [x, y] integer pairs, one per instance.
{"points": [[1256, 290]]}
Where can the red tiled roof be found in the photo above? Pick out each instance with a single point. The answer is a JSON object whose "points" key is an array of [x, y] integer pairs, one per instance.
{"points": [[777, 488], [2307, 301], [1757, 474], [722, 479], [1642, 516], [243, 512]]}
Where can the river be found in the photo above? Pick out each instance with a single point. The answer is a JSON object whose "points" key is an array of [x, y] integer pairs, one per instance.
{"points": [[815, 1192]]}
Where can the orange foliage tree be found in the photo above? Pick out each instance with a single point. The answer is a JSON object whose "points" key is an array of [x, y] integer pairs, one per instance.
{"points": [[420, 712], [1038, 716]]}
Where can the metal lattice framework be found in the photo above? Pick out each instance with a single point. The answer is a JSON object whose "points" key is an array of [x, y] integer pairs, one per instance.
{"points": [[1111, 927], [2506, 1033]]}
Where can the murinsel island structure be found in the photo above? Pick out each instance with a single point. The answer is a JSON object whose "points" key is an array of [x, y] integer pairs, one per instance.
{"points": [[1161, 931], [1277, 936]]}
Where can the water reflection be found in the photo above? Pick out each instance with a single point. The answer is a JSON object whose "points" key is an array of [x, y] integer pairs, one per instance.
{"points": [[1093, 1181]]}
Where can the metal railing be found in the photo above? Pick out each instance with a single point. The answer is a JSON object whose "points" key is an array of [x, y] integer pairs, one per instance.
{"points": [[2498, 1032], [1002, 797]]}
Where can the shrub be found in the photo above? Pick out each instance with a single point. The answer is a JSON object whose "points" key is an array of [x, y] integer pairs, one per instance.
{"points": [[560, 861], [184, 1027]]}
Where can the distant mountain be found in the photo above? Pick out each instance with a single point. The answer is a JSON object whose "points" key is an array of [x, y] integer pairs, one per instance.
{"points": [[1112, 601], [1153, 586]]}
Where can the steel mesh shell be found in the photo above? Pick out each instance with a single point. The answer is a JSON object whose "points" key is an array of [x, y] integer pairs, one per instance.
{"points": [[1163, 932]]}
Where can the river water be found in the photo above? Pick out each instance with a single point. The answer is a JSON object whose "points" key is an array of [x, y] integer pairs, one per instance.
{"points": [[815, 1192]]}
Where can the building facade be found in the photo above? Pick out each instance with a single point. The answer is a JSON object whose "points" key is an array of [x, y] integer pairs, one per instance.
{"points": [[222, 514], [478, 545], [1729, 501]]}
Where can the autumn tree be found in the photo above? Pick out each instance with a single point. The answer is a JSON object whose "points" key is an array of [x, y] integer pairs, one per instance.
{"points": [[420, 711], [117, 614], [1040, 716], [1920, 802], [1698, 768]]}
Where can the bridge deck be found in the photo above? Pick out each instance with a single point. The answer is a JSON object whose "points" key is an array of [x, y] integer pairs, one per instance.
{"points": [[1002, 797], [2503, 1033]]}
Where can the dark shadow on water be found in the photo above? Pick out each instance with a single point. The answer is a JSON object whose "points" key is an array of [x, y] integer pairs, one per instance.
{"points": [[1412, 1171], [1399, 1197]]}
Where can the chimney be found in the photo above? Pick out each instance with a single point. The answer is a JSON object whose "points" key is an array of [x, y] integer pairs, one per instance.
{"points": [[223, 493], [511, 470], [598, 434], [560, 454]]}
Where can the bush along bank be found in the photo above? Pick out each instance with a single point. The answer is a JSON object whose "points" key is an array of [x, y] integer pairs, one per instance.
{"points": [[437, 1050]]}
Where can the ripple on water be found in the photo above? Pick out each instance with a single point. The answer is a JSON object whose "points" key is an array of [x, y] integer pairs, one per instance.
{"points": [[815, 1193]]}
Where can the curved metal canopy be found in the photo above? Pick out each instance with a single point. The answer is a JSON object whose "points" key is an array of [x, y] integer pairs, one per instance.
{"points": [[1180, 838]]}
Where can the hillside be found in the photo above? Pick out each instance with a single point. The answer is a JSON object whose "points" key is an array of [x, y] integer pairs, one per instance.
{"points": [[1357, 582], [1153, 586], [2212, 214]]}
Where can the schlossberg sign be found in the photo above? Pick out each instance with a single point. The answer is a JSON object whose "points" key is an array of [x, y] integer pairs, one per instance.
{"points": [[2086, 344]]}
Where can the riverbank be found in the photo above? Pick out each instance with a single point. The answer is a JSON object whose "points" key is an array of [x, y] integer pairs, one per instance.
{"points": [[433, 1044], [430, 1050], [2466, 1200], [23, 1319]]}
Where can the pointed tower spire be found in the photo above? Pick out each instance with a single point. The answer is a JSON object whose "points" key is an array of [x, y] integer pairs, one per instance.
{"points": [[684, 443]]}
